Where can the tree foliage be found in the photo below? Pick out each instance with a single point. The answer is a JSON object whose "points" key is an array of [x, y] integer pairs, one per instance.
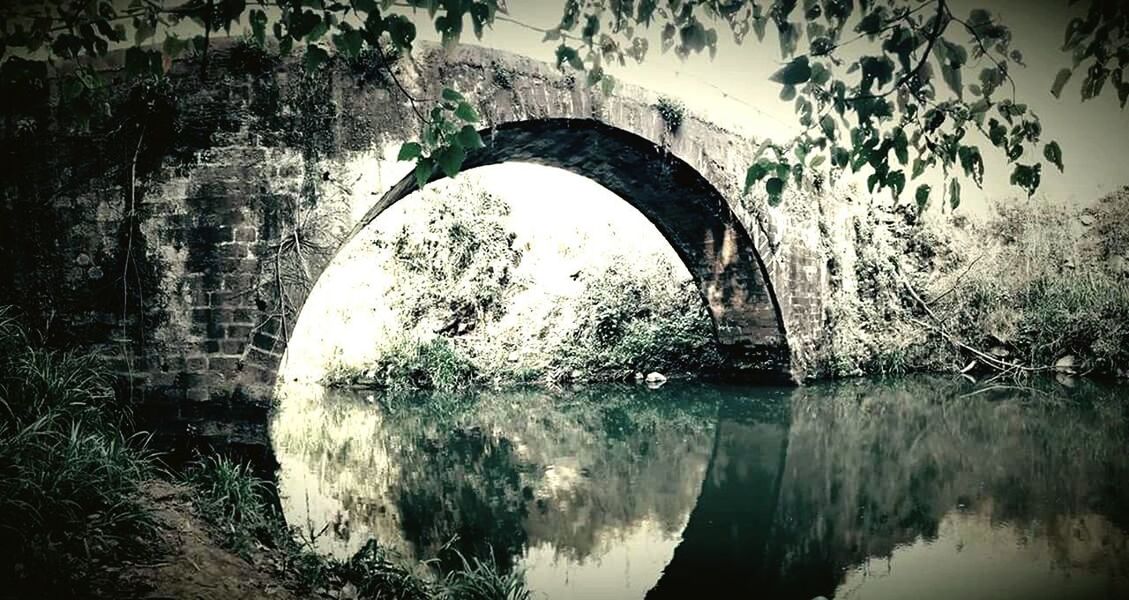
{"points": [[454, 271], [893, 88]]}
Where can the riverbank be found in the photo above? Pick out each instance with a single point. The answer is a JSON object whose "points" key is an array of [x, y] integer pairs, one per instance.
{"points": [[88, 511], [1029, 287]]}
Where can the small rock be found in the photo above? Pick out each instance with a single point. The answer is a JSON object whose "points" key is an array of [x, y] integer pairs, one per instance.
{"points": [[94, 272], [83, 259], [656, 377], [1087, 219], [638, 376], [1067, 364], [576, 374], [1068, 264], [512, 356]]}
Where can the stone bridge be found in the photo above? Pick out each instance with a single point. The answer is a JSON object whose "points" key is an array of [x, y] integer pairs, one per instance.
{"points": [[180, 239]]}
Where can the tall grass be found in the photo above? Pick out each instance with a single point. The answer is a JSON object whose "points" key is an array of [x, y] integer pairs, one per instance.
{"points": [[232, 498], [69, 478]]}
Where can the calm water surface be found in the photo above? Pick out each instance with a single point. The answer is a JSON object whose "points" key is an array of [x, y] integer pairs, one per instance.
{"points": [[903, 489]]}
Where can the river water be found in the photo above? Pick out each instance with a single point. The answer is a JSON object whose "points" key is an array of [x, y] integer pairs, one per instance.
{"points": [[924, 488]]}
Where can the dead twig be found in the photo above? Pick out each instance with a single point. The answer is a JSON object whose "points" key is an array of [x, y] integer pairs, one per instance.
{"points": [[957, 282], [938, 326]]}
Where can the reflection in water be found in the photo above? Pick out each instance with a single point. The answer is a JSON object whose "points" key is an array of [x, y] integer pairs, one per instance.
{"points": [[856, 490]]}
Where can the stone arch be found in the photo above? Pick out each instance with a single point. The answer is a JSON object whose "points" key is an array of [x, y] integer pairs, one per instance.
{"points": [[204, 347], [687, 210]]}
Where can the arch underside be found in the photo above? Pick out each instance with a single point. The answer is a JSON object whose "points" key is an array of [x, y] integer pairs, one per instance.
{"points": [[686, 209]]}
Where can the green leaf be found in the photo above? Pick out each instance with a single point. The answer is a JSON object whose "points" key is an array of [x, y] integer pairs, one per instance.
{"points": [[918, 168], [756, 172], [955, 54], [875, 68], [840, 157], [409, 151], [997, 133], [1053, 154], [258, 21], [922, 197], [452, 95], [794, 73], [896, 181], [827, 124], [316, 56], [775, 187], [466, 112], [972, 163], [349, 42], [469, 137], [1027, 177], [450, 159], [951, 75], [569, 55], [425, 167], [871, 24], [401, 31], [901, 145], [954, 194]]}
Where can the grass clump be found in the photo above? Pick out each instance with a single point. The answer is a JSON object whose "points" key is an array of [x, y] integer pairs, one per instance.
{"points": [[434, 364], [70, 481], [232, 498], [672, 112]]}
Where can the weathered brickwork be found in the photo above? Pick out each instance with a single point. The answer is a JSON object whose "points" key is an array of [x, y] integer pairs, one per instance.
{"points": [[189, 273]]}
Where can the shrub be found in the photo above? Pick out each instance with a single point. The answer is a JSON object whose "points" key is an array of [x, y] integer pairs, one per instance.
{"points": [[637, 318], [407, 362]]}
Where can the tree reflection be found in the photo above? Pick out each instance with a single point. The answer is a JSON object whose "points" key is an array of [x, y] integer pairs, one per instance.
{"points": [[781, 493], [869, 467]]}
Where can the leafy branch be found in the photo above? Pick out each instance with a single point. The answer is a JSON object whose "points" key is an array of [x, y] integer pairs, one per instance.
{"points": [[883, 111]]}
